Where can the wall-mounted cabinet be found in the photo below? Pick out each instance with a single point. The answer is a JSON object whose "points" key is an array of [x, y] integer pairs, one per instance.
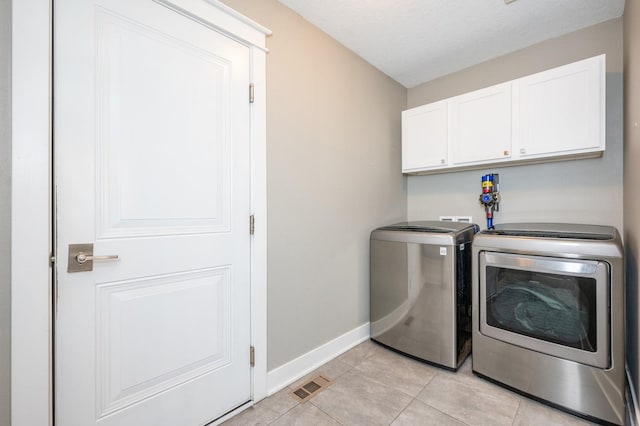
{"points": [[425, 137], [480, 126], [561, 111], [552, 115]]}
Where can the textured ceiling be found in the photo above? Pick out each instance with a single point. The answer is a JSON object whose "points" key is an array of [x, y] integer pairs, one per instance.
{"points": [[414, 41]]}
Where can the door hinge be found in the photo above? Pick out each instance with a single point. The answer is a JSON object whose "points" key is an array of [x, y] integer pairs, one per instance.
{"points": [[52, 261], [252, 356], [252, 225], [251, 93]]}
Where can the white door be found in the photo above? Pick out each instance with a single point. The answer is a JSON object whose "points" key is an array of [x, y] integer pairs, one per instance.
{"points": [[152, 163]]}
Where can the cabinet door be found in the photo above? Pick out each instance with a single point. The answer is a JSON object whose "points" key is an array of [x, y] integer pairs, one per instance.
{"points": [[562, 111], [424, 137], [481, 125]]}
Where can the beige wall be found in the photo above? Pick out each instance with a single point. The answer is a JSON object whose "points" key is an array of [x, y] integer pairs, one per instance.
{"points": [[585, 191], [601, 38], [632, 180], [5, 212], [333, 154]]}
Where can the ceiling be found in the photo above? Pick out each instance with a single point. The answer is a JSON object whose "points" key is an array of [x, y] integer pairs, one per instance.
{"points": [[413, 41]]}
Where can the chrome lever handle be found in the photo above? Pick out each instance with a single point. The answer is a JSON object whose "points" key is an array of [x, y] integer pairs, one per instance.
{"points": [[83, 257]]}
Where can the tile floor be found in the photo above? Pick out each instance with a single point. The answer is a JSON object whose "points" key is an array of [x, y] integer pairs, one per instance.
{"points": [[375, 386]]}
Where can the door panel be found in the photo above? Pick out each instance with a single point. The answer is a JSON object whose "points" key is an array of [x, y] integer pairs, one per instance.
{"points": [[425, 137], [481, 125], [139, 191], [152, 164], [562, 111], [128, 372]]}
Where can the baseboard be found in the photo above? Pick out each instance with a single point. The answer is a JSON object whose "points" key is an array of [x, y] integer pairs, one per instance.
{"points": [[288, 373], [632, 401]]}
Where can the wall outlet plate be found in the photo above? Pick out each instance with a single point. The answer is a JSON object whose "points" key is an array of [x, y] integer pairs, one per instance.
{"points": [[466, 219]]}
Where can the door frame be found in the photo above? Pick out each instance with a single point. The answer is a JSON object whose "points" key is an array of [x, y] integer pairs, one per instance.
{"points": [[32, 302]]}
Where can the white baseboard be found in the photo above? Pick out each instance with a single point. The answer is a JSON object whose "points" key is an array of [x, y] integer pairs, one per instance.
{"points": [[288, 373], [632, 401]]}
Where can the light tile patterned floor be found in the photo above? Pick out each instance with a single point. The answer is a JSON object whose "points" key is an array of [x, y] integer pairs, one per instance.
{"points": [[375, 386]]}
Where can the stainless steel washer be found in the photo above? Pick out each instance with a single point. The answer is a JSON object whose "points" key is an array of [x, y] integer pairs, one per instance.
{"points": [[548, 315], [421, 290]]}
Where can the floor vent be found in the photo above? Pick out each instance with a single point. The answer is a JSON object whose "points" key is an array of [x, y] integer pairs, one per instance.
{"points": [[311, 388]]}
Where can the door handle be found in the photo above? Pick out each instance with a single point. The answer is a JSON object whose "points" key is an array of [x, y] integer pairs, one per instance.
{"points": [[81, 257]]}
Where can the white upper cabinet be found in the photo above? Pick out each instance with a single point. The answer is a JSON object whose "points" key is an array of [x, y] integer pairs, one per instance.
{"points": [[480, 125], [561, 111], [548, 116], [424, 137]]}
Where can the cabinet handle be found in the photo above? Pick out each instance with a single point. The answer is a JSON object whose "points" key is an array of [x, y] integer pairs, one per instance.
{"points": [[442, 161], [523, 151], [506, 152]]}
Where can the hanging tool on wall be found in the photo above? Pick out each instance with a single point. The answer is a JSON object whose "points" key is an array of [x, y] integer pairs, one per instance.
{"points": [[490, 197]]}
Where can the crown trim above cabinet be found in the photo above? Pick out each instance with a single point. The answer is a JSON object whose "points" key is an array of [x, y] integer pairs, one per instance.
{"points": [[553, 115]]}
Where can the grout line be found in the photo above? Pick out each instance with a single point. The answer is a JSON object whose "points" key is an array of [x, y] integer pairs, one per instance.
{"points": [[402, 411], [428, 383], [445, 413], [335, 381], [516, 413], [281, 415], [329, 415]]}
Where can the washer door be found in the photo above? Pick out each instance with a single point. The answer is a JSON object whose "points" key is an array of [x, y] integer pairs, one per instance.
{"points": [[551, 305]]}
